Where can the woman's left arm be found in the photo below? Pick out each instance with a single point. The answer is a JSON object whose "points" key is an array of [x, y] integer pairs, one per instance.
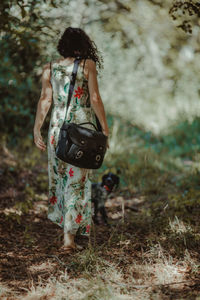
{"points": [[43, 106]]}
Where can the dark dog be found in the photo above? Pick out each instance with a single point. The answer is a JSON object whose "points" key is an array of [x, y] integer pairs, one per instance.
{"points": [[100, 192]]}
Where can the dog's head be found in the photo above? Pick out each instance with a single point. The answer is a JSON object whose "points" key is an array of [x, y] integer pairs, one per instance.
{"points": [[110, 181]]}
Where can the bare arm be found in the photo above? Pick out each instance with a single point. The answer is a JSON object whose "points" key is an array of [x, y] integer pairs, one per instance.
{"points": [[95, 97], [43, 106]]}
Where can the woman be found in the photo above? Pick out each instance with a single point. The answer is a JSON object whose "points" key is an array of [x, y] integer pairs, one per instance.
{"points": [[69, 202]]}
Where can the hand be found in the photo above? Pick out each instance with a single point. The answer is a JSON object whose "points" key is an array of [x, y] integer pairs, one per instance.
{"points": [[39, 140]]}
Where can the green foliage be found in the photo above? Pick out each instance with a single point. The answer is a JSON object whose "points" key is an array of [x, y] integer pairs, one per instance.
{"points": [[29, 33], [42, 182], [21, 26], [153, 114], [27, 235], [24, 206], [188, 202]]}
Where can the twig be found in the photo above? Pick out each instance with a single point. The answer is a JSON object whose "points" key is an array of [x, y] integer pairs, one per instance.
{"points": [[56, 257]]}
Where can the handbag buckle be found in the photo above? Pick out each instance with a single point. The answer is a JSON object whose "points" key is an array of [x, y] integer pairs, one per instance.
{"points": [[98, 157], [79, 154]]}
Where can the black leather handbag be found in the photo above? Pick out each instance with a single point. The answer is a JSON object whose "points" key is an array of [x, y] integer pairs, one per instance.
{"points": [[79, 146]]}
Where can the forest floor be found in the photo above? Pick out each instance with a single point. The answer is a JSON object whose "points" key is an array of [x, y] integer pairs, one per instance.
{"points": [[139, 256]]}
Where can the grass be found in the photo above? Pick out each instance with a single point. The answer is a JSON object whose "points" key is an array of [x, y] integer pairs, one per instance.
{"points": [[135, 264], [151, 252]]}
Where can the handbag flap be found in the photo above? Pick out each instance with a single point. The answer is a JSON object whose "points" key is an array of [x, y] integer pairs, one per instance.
{"points": [[84, 137]]}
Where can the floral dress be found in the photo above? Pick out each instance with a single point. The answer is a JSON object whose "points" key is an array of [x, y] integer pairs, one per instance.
{"points": [[69, 201]]}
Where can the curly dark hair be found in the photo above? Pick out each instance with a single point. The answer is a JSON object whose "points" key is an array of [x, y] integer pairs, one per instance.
{"points": [[74, 42]]}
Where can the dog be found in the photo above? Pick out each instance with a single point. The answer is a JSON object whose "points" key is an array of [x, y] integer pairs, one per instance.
{"points": [[100, 192]]}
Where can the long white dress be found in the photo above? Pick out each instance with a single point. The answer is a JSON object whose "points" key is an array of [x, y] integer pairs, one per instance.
{"points": [[69, 202]]}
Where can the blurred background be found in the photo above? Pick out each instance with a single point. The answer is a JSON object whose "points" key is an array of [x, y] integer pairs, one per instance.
{"points": [[149, 86], [150, 90]]}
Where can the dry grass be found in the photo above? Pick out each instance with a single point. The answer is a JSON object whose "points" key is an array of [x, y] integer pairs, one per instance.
{"points": [[151, 252], [126, 266]]}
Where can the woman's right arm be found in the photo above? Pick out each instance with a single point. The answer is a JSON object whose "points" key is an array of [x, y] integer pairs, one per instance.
{"points": [[95, 97]]}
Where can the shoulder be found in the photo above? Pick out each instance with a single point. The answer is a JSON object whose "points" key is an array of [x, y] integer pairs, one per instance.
{"points": [[90, 67], [90, 63], [46, 68], [46, 71]]}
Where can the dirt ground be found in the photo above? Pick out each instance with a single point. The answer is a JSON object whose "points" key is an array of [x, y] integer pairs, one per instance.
{"points": [[150, 259], [29, 255]]}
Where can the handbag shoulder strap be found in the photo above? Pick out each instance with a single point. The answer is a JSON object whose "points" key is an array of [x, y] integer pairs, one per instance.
{"points": [[72, 84], [72, 80], [71, 89]]}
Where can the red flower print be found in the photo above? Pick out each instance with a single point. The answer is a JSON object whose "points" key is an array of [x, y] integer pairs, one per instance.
{"points": [[71, 172], [78, 219], [83, 179], [53, 200], [61, 219], [79, 92], [52, 139], [87, 228]]}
